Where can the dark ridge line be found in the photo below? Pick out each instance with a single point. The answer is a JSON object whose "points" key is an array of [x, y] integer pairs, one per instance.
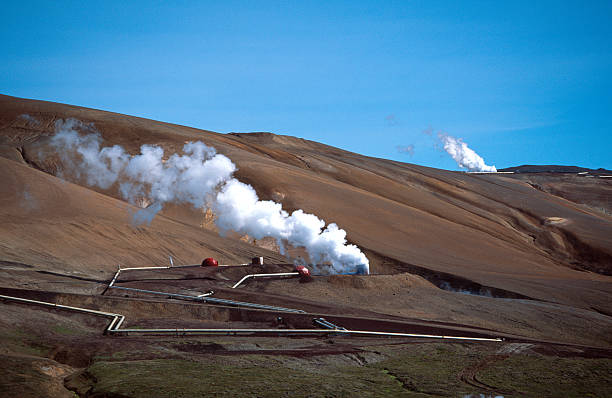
{"points": [[15, 264], [81, 278], [601, 312]]}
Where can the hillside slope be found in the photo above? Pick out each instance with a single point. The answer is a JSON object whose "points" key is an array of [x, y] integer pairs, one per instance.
{"points": [[489, 231]]}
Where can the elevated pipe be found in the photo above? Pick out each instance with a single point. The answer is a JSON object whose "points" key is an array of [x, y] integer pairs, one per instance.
{"points": [[280, 274], [326, 324], [183, 296], [298, 332], [201, 297], [251, 305], [109, 328], [204, 298], [118, 319], [116, 276]]}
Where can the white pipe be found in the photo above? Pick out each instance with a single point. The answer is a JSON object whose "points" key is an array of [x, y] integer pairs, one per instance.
{"points": [[264, 275], [202, 297], [109, 328], [144, 268], [171, 266], [114, 278], [250, 305], [66, 307], [211, 300], [133, 268], [164, 293], [233, 265], [118, 325], [489, 172], [111, 325], [327, 324], [298, 332], [118, 319]]}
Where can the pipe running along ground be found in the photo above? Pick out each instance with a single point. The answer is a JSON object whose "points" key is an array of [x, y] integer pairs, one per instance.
{"points": [[167, 267], [118, 319], [212, 300], [279, 274], [204, 297]]}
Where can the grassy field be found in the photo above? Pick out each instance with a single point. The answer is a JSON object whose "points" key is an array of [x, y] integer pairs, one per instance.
{"points": [[552, 376], [105, 367], [416, 370]]}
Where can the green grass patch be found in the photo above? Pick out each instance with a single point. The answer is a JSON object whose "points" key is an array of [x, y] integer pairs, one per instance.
{"points": [[66, 330], [116, 356], [179, 378], [432, 369], [23, 342], [411, 370], [552, 376]]}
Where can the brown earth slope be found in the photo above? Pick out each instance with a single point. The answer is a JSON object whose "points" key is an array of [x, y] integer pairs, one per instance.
{"points": [[476, 230], [533, 251]]}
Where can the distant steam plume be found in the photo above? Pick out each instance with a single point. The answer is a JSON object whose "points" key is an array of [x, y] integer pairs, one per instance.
{"points": [[408, 149], [202, 178], [391, 120], [462, 154], [31, 120]]}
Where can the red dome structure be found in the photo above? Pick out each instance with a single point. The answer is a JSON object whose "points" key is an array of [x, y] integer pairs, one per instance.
{"points": [[304, 273], [210, 262]]}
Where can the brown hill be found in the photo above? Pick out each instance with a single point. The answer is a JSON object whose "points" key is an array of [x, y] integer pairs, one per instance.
{"points": [[552, 168], [534, 252], [466, 230]]}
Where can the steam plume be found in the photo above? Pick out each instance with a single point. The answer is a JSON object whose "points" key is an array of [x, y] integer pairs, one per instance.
{"points": [[239, 209], [202, 178], [408, 149], [464, 156]]}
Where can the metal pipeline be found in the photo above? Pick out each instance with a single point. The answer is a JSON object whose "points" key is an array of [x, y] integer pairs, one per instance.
{"points": [[183, 296], [112, 282], [112, 326], [280, 274], [234, 265], [168, 267], [250, 305], [114, 278], [297, 332], [326, 324], [117, 321], [204, 298]]}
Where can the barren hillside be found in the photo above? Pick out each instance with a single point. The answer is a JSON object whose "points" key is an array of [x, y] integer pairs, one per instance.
{"points": [[489, 230], [527, 257]]}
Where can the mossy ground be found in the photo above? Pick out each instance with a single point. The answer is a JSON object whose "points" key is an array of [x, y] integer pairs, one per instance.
{"points": [[544, 377], [279, 367], [415, 370]]}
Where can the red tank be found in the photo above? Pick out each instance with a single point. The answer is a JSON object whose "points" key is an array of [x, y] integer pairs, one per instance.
{"points": [[304, 273], [210, 262]]}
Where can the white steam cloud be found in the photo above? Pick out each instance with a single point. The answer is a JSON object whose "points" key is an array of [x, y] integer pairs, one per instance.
{"points": [[462, 154], [202, 178]]}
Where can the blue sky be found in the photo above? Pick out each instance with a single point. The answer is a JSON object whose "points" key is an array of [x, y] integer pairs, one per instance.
{"points": [[522, 83]]}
